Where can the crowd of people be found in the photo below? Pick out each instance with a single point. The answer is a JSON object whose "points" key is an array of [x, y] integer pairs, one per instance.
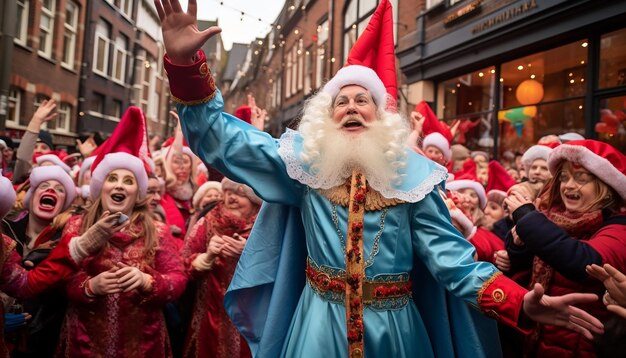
{"points": [[365, 232]]}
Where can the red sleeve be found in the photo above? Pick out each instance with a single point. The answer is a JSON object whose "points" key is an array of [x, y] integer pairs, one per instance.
{"points": [[191, 84], [58, 266], [168, 272], [172, 214], [502, 299], [486, 244], [195, 244], [610, 243]]}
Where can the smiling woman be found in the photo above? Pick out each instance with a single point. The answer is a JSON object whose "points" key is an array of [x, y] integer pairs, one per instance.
{"points": [[137, 259], [580, 221]]}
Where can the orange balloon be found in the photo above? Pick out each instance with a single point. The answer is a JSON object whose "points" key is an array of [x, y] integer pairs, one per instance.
{"points": [[529, 92]]}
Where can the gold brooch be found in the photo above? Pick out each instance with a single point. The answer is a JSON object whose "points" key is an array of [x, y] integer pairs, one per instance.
{"points": [[204, 69], [498, 295]]}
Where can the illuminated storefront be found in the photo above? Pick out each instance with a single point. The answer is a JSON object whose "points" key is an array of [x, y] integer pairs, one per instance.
{"points": [[515, 71]]}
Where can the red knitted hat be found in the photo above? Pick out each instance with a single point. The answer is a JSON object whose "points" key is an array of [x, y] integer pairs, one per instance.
{"points": [[372, 61], [601, 159], [127, 148]]}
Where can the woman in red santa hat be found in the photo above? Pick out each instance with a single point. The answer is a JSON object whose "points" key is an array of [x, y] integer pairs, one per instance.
{"points": [[580, 221], [116, 298], [36, 231], [211, 254]]}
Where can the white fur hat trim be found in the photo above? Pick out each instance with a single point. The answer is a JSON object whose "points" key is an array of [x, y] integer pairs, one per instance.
{"points": [[361, 76], [440, 142], [51, 172], [54, 159], [458, 185], [119, 160]]}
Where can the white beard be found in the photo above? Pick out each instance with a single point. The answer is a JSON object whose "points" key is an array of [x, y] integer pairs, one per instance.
{"points": [[368, 152], [182, 192]]}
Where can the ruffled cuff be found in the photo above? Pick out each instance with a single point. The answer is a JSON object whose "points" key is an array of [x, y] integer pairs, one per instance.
{"points": [[190, 84], [502, 299]]}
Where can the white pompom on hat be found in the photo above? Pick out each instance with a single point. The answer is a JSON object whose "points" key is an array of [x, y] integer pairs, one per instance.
{"points": [[361, 76], [601, 159], [440, 142], [458, 185], [197, 197], [570, 136], [7, 194], [538, 151], [241, 189], [54, 159], [51, 172], [127, 148]]}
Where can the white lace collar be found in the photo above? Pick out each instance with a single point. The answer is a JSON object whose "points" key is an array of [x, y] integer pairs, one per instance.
{"points": [[423, 174]]}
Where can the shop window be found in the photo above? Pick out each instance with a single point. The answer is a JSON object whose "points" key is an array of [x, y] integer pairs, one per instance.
{"points": [[470, 93], [613, 60], [611, 127], [547, 76], [521, 127]]}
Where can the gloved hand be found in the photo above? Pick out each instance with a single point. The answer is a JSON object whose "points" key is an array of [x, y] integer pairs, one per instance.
{"points": [[96, 236], [13, 321], [130, 278], [104, 283], [205, 260]]}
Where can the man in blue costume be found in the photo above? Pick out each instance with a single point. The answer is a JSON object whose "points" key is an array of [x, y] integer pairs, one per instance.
{"points": [[351, 256]]}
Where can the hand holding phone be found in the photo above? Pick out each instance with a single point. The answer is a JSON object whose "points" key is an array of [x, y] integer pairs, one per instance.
{"points": [[122, 218]]}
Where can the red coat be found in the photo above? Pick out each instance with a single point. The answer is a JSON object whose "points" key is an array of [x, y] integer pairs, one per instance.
{"points": [[176, 213], [486, 244], [127, 324]]}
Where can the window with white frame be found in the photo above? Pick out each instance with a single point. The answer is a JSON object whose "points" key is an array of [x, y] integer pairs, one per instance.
{"points": [[46, 27], [288, 75], [15, 107], [146, 84], [126, 6], [300, 54], [21, 32], [69, 34], [357, 17], [64, 117], [294, 69], [433, 3], [96, 105], [321, 62], [101, 48], [308, 71], [119, 58]]}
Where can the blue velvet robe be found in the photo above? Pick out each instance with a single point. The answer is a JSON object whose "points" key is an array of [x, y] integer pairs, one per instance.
{"points": [[269, 300]]}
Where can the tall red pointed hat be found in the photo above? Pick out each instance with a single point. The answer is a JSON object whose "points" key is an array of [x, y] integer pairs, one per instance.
{"points": [[127, 148], [372, 62]]}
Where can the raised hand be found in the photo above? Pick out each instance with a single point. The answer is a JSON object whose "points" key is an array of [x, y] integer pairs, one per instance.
{"points": [[502, 261], [87, 147], [180, 30], [613, 280], [258, 115], [96, 236], [559, 311]]}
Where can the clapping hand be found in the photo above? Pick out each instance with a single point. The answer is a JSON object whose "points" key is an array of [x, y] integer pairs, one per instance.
{"points": [[180, 30], [130, 278], [615, 283], [560, 311]]}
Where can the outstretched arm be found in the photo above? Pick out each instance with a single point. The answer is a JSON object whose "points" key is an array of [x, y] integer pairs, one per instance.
{"points": [[181, 36]]}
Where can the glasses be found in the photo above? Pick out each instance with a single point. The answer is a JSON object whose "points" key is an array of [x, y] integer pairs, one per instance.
{"points": [[581, 178]]}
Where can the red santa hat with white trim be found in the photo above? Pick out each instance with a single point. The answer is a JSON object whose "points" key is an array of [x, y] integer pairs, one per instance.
{"points": [[127, 148], [371, 62], [459, 216], [601, 159], [538, 151], [51, 157], [436, 133], [51, 172], [458, 185], [7, 194]]}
